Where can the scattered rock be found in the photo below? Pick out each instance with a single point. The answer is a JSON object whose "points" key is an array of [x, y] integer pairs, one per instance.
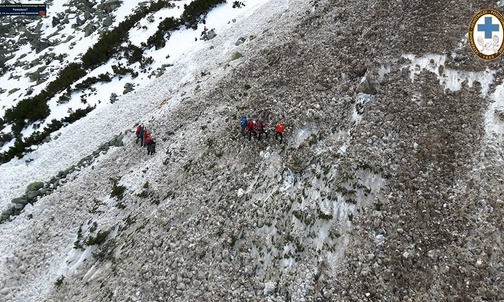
{"points": [[128, 87], [108, 21], [89, 29], [240, 41], [499, 113], [366, 87]]}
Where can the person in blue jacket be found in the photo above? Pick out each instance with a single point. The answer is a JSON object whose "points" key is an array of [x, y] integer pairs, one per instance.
{"points": [[244, 123]]}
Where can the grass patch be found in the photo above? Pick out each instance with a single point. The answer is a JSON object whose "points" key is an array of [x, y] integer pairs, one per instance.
{"points": [[324, 216], [236, 56], [77, 243], [59, 281], [105, 253], [117, 191], [100, 238], [93, 227]]}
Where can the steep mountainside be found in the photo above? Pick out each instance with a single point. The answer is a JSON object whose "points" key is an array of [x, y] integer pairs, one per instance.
{"points": [[387, 188]]}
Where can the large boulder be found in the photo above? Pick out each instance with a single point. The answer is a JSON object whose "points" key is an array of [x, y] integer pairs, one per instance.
{"points": [[19, 206], [117, 141], [110, 5], [108, 21], [34, 186], [89, 29], [32, 194], [55, 21], [367, 87], [240, 41], [38, 45], [20, 200]]}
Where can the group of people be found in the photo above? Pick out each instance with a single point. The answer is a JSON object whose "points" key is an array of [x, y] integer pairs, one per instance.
{"points": [[249, 127], [146, 140], [256, 128]]}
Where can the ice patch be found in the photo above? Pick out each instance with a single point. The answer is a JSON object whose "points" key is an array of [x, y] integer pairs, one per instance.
{"points": [[382, 71], [493, 126], [301, 136], [288, 180], [265, 154], [450, 79], [379, 239], [343, 148], [362, 101], [287, 262], [269, 288]]}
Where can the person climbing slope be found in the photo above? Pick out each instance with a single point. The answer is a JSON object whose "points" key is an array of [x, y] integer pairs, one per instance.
{"points": [[146, 135], [261, 129], [279, 131], [138, 129], [151, 147], [251, 128], [148, 142], [244, 123], [141, 136]]}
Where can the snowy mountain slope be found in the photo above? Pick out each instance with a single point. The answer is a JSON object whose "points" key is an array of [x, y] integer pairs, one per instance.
{"points": [[67, 28], [389, 197], [90, 134]]}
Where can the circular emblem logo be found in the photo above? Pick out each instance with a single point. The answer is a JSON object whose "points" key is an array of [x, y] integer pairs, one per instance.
{"points": [[486, 34]]}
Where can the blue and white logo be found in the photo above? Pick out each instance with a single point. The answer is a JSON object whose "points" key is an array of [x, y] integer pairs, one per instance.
{"points": [[486, 34]]}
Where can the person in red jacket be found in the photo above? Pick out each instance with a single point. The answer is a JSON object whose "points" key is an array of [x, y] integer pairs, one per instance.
{"points": [[151, 147], [261, 128], [148, 142], [279, 131], [251, 128], [146, 135], [139, 133]]}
